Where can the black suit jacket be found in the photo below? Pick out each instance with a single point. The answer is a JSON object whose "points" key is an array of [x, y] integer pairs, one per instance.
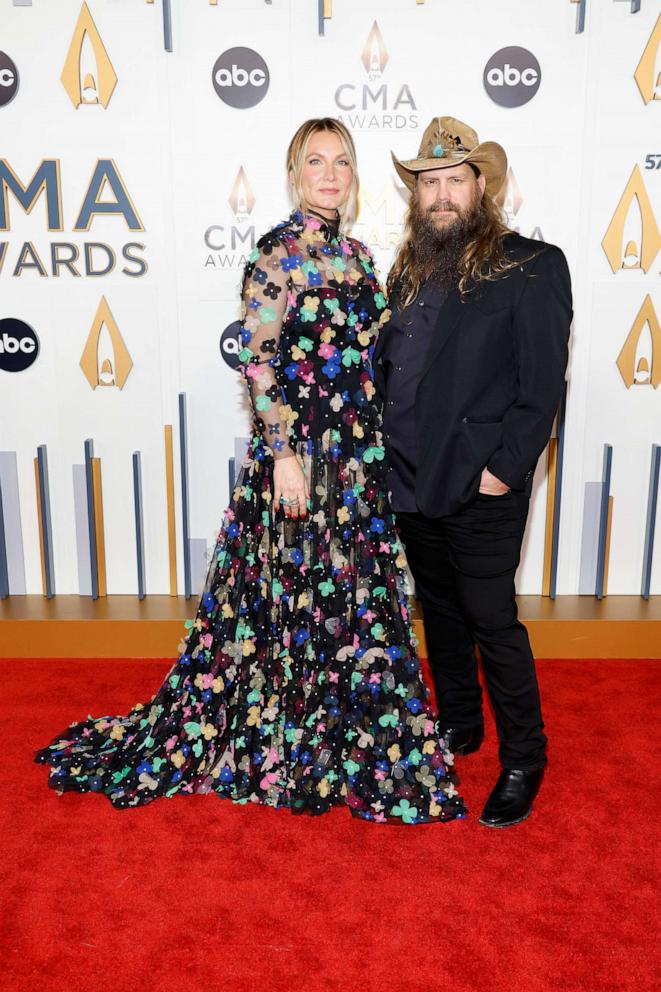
{"points": [[493, 378]]}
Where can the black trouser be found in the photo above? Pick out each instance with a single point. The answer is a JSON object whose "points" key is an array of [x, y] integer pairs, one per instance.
{"points": [[464, 567]]}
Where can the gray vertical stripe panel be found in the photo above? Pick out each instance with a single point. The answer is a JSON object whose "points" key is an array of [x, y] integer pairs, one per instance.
{"points": [[555, 534], [11, 507], [240, 448], [231, 472], [199, 563], [4, 574], [82, 530], [46, 524], [185, 508], [320, 4], [603, 521], [91, 524], [650, 524], [167, 26], [590, 538], [139, 523], [580, 16]]}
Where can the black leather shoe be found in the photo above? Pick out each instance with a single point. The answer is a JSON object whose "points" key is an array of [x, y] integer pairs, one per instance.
{"points": [[464, 740], [511, 799]]}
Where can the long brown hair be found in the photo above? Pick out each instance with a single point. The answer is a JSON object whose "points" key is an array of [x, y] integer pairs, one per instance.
{"points": [[298, 147], [483, 259]]}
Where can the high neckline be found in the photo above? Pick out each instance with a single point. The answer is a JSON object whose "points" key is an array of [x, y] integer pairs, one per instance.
{"points": [[330, 229]]}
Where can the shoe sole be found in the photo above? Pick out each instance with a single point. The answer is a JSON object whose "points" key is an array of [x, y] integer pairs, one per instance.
{"points": [[503, 826]]}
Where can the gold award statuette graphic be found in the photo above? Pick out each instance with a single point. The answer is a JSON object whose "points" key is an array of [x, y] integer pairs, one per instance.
{"points": [[374, 56], [509, 196], [88, 75], [105, 360], [640, 252], [639, 361], [241, 199], [648, 70]]}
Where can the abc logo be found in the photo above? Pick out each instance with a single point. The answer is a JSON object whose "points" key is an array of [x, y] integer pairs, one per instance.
{"points": [[230, 344], [512, 76], [8, 79], [19, 345], [240, 77]]}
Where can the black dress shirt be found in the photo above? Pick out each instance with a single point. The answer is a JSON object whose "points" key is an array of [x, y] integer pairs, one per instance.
{"points": [[407, 337]]}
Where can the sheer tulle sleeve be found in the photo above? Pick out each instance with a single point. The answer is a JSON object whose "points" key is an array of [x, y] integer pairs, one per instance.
{"points": [[265, 294]]}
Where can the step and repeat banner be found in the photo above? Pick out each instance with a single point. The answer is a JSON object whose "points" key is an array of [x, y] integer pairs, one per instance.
{"points": [[142, 154]]}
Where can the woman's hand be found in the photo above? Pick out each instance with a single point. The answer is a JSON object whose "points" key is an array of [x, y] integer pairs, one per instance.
{"points": [[289, 483]]}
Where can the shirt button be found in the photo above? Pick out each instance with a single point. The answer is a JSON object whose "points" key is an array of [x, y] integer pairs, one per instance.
{"points": [[398, 369], [421, 303], [409, 335], [390, 403]]}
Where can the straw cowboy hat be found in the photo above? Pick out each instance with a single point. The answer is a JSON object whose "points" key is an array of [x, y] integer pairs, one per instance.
{"points": [[448, 142]]}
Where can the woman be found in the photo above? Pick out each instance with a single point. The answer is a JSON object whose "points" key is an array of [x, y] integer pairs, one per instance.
{"points": [[299, 684]]}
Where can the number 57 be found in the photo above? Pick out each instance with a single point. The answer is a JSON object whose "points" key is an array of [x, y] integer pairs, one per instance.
{"points": [[653, 161]]}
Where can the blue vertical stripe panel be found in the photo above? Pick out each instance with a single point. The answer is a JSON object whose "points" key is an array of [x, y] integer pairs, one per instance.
{"points": [[13, 527], [650, 525], [139, 523], [91, 519], [555, 536], [4, 571], [46, 526], [82, 530], [320, 4], [580, 16], [167, 26], [185, 503], [603, 520]]}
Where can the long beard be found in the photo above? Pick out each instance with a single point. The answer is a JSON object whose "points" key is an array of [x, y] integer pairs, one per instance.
{"points": [[438, 252]]}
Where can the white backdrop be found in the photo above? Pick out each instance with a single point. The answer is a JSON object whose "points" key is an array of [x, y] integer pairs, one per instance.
{"points": [[179, 150]]}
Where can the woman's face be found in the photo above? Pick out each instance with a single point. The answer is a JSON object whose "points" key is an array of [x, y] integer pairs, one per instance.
{"points": [[327, 174]]}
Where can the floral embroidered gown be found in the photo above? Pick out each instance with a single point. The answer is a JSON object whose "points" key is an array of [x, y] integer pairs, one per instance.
{"points": [[298, 685]]}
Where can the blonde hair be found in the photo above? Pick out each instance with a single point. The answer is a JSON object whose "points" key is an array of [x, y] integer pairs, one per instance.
{"points": [[298, 147]]}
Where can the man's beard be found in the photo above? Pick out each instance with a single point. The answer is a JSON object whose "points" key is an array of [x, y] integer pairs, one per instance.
{"points": [[438, 251]]}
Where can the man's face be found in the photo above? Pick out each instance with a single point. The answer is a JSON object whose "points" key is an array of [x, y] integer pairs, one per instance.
{"points": [[445, 195]]}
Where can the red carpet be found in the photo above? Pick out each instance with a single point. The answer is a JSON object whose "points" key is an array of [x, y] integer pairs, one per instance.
{"points": [[193, 894]]}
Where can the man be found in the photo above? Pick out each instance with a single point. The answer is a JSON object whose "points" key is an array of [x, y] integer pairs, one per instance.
{"points": [[470, 367]]}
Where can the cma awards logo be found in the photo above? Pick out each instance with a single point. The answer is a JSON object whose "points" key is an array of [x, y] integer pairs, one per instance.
{"points": [[106, 195], [510, 201], [88, 75], [632, 240], [375, 105], [230, 244], [380, 222], [105, 360], [648, 71], [639, 362]]}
